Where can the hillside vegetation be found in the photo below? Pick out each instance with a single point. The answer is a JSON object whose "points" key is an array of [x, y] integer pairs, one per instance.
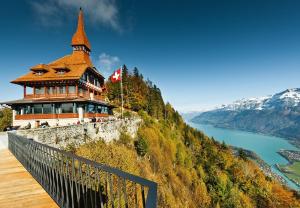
{"points": [[5, 118], [191, 169]]}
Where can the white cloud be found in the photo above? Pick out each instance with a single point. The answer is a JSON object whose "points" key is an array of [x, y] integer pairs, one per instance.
{"points": [[107, 63], [53, 12]]}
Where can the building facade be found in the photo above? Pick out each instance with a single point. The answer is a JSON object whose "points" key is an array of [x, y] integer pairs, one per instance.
{"points": [[65, 91]]}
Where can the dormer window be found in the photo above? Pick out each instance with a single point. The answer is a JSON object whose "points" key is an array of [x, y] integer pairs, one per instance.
{"points": [[39, 69], [39, 73], [61, 72]]}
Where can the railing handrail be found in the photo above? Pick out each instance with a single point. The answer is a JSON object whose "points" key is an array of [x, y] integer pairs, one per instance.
{"points": [[104, 167], [150, 201]]}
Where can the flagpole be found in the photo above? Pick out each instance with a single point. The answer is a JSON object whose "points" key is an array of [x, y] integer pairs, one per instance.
{"points": [[121, 85]]}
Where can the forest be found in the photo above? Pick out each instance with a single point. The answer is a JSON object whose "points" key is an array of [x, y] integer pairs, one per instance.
{"points": [[191, 169]]}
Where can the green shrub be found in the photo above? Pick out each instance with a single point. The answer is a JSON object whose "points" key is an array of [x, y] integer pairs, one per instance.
{"points": [[5, 118], [141, 146], [127, 114], [242, 154], [124, 139]]}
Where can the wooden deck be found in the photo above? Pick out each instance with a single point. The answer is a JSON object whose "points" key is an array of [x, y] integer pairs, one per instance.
{"points": [[18, 188]]}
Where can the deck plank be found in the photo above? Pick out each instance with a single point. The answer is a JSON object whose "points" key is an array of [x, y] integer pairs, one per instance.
{"points": [[18, 188]]}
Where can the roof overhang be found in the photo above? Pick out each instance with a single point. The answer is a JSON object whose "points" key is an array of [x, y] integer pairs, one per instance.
{"points": [[64, 100]]}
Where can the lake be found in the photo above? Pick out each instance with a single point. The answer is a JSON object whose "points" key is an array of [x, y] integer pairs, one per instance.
{"points": [[266, 147]]}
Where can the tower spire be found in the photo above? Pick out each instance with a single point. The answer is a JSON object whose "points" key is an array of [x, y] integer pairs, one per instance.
{"points": [[80, 41]]}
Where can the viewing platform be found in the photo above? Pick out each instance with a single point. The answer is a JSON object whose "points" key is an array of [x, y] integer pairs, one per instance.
{"points": [[33, 175], [18, 188]]}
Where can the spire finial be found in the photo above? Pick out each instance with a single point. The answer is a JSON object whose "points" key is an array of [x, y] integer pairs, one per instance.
{"points": [[80, 38]]}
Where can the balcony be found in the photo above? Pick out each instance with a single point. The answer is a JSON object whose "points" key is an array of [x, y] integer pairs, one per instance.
{"points": [[69, 95]]}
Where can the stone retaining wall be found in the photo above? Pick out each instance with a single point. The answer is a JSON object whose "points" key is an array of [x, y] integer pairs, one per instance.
{"points": [[63, 136]]}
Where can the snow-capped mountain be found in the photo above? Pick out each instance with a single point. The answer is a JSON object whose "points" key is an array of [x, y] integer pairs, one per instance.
{"points": [[285, 99], [278, 115]]}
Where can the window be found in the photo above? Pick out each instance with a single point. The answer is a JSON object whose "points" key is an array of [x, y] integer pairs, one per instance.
{"points": [[47, 108], [91, 108], [67, 108], [80, 90], [39, 73], [75, 108], [104, 110], [91, 79], [61, 72], [72, 89], [38, 108], [62, 90], [99, 109], [51, 90], [57, 108], [28, 109], [39, 90], [18, 110]]}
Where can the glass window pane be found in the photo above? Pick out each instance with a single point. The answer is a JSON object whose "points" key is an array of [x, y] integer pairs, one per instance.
{"points": [[67, 107], [62, 90], [51, 90], [57, 109], [91, 108], [39, 90], [80, 90], [99, 109], [72, 89], [75, 108], [47, 108], [38, 108], [28, 110]]}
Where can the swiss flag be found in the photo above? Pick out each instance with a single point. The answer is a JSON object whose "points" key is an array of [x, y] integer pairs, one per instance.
{"points": [[116, 76]]}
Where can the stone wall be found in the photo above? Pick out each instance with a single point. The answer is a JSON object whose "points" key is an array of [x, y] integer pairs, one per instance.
{"points": [[76, 135]]}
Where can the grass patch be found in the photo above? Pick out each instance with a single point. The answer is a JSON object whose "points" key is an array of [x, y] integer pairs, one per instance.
{"points": [[292, 171]]}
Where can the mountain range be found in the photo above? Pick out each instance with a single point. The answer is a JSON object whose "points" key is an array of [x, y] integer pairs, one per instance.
{"points": [[277, 115]]}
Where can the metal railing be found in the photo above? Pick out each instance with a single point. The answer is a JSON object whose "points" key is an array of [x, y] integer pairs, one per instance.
{"points": [[73, 181]]}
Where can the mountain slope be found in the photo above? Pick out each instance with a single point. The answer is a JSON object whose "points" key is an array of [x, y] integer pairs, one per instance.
{"points": [[277, 115], [191, 169]]}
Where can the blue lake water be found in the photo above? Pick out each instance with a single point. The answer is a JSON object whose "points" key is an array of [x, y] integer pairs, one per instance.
{"points": [[266, 147]]}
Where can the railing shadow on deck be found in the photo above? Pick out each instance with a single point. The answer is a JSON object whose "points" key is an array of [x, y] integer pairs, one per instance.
{"points": [[74, 182]]}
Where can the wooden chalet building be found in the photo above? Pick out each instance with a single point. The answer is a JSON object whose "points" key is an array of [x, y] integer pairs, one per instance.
{"points": [[65, 91]]}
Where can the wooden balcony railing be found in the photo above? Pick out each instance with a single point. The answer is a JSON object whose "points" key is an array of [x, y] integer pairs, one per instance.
{"points": [[70, 95]]}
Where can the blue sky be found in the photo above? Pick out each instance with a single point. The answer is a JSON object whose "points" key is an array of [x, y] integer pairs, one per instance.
{"points": [[200, 53]]}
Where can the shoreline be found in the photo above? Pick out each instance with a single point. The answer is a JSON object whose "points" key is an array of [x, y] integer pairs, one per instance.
{"points": [[291, 156], [290, 140], [266, 168], [269, 170]]}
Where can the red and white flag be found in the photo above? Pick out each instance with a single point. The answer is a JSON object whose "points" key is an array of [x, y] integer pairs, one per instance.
{"points": [[116, 76]]}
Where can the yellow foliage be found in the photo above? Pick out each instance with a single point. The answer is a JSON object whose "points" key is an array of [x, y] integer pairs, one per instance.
{"points": [[191, 169]]}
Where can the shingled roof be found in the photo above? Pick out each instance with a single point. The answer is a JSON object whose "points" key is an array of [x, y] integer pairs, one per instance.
{"points": [[80, 38], [74, 64]]}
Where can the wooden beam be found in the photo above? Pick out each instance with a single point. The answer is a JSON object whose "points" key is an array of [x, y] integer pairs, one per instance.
{"points": [[24, 90], [45, 90], [76, 89], [67, 89]]}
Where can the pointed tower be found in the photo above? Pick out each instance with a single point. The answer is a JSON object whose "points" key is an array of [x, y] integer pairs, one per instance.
{"points": [[80, 41]]}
